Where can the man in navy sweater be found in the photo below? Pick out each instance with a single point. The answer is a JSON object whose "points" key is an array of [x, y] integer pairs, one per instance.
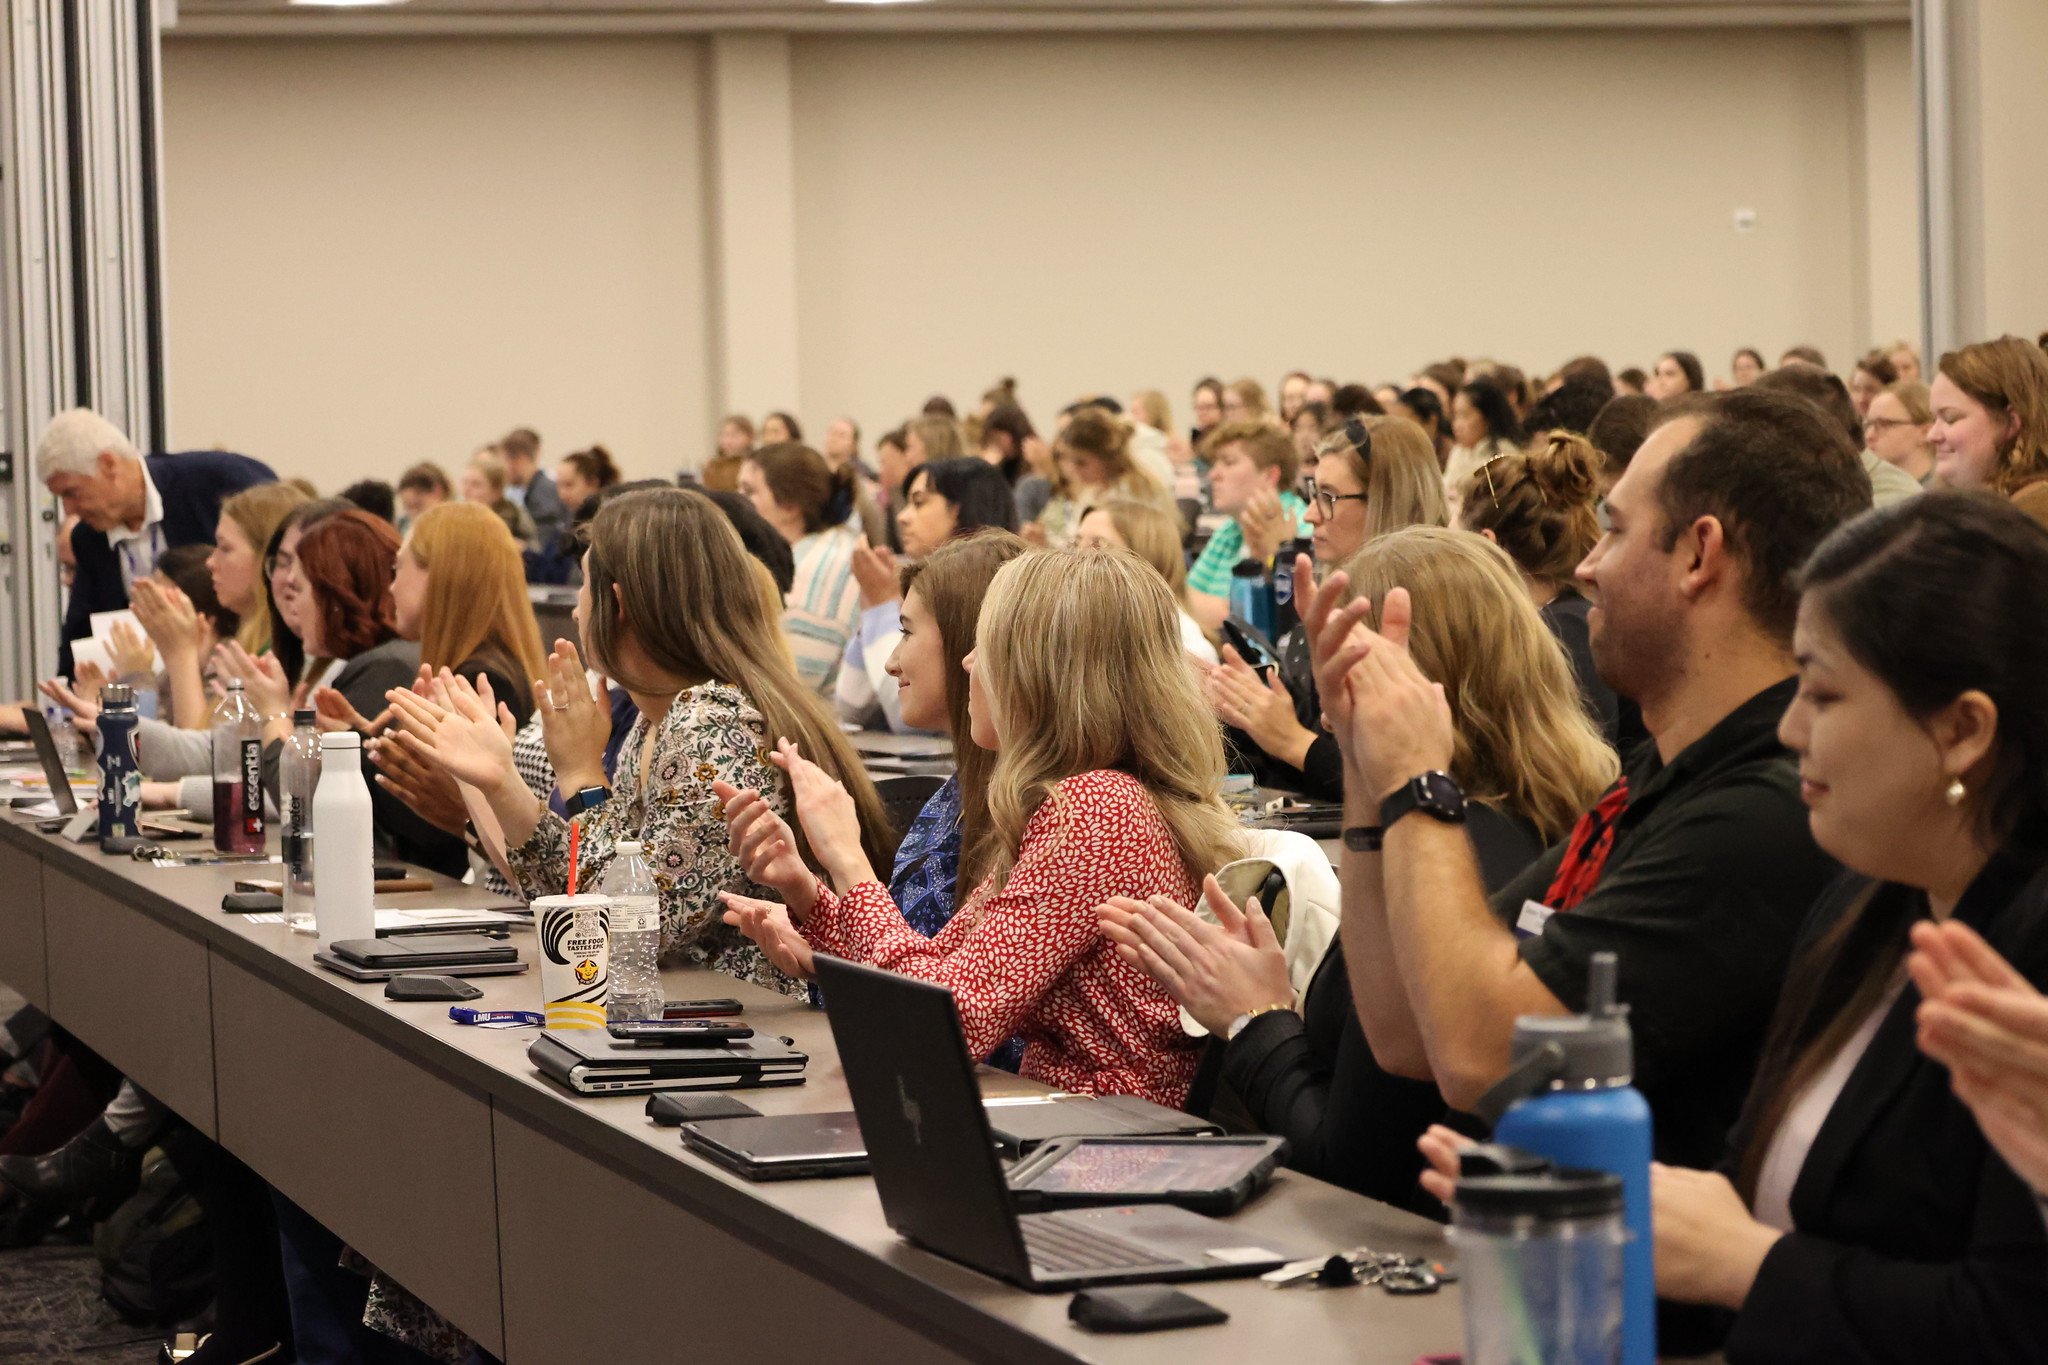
{"points": [[129, 509]]}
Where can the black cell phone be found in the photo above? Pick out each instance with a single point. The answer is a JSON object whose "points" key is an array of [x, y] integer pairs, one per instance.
{"points": [[698, 1009], [678, 1032], [1249, 647]]}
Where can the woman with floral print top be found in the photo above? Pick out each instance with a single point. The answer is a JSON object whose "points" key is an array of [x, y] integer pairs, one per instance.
{"points": [[710, 733], [683, 632]]}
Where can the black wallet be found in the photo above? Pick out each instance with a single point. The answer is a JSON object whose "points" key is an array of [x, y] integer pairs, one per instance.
{"points": [[1141, 1308], [250, 902], [673, 1108]]}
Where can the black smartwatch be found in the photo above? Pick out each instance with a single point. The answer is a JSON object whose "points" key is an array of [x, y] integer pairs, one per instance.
{"points": [[587, 798], [1433, 793]]}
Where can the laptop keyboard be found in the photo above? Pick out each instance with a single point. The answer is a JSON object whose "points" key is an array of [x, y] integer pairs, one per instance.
{"points": [[1062, 1247]]}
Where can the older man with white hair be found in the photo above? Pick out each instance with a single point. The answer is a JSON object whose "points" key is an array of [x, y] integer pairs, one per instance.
{"points": [[130, 508]]}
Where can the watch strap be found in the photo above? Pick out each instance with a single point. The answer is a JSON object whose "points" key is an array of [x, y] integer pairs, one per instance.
{"points": [[583, 798], [1365, 838]]}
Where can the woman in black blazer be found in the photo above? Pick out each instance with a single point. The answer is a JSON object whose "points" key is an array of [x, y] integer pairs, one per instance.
{"points": [[1867, 1219]]}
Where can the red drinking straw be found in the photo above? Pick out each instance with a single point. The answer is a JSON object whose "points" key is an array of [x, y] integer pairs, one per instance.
{"points": [[575, 839]]}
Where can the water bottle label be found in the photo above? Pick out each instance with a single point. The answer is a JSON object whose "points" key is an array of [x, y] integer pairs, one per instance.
{"points": [[629, 917], [252, 787]]}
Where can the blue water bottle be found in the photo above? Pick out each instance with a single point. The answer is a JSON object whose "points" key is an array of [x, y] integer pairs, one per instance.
{"points": [[1569, 1098], [120, 773], [1251, 596]]}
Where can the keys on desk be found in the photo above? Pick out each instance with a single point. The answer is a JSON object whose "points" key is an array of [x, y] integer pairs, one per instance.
{"points": [[1390, 1270]]}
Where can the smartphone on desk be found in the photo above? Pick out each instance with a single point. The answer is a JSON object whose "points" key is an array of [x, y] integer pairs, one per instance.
{"points": [[678, 1032], [699, 1009]]}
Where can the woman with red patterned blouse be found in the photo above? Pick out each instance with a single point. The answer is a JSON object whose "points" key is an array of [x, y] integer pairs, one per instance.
{"points": [[1107, 769]]}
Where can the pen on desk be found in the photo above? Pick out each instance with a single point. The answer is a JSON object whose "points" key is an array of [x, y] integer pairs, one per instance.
{"points": [[463, 1014]]}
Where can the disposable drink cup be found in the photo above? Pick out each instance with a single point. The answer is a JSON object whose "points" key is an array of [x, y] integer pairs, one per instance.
{"points": [[575, 940]]}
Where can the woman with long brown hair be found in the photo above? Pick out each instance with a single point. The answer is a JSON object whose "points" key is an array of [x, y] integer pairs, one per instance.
{"points": [[669, 611], [808, 502], [1092, 461], [1990, 403], [1105, 782]]}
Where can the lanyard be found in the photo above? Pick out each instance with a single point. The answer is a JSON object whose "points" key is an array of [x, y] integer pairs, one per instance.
{"points": [[155, 533]]}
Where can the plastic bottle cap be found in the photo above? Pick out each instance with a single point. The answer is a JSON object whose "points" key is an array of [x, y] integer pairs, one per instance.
{"points": [[307, 716], [628, 845], [1549, 1194], [341, 739], [234, 684]]}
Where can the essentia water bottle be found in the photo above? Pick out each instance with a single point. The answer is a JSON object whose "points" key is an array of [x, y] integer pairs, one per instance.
{"points": [[237, 773], [635, 936], [1569, 1098]]}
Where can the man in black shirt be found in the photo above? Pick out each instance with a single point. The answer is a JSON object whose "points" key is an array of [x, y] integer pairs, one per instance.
{"points": [[1697, 868]]}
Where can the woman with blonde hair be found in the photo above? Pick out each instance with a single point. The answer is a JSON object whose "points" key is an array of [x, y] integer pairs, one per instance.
{"points": [[1244, 400], [247, 522], [1895, 429], [1303, 1068], [1154, 535], [667, 609], [1371, 476], [1990, 404], [1105, 784], [1093, 461], [1539, 507]]}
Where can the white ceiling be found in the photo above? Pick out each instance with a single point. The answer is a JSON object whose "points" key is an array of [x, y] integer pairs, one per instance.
{"points": [[199, 17]]}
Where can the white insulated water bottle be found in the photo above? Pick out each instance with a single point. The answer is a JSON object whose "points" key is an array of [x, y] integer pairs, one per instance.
{"points": [[344, 866]]}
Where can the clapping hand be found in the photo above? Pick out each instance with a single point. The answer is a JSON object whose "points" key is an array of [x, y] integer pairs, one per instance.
{"points": [[458, 729], [1261, 707], [262, 677], [81, 696], [768, 924], [169, 617], [575, 722], [766, 847], [875, 569], [1265, 524], [404, 770], [1217, 971], [1390, 720], [830, 820], [1988, 1025], [134, 656]]}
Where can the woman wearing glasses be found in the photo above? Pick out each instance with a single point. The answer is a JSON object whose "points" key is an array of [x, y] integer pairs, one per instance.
{"points": [[1370, 476], [1895, 429], [1540, 508]]}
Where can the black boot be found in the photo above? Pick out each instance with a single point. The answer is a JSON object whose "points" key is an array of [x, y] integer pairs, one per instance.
{"points": [[95, 1166]]}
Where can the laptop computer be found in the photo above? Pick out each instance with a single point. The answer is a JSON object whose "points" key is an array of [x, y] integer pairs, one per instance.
{"points": [[592, 1062], [942, 1185]]}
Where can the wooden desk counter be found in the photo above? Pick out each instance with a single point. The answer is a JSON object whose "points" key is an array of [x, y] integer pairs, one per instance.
{"points": [[553, 1227]]}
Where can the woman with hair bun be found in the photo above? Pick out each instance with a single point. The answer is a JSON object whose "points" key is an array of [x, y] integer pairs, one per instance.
{"points": [[582, 473], [808, 502], [1093, 463], [1539, 507]]}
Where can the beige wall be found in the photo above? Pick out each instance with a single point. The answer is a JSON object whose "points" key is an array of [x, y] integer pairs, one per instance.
{"points": [[381, 251], [387, 251]]}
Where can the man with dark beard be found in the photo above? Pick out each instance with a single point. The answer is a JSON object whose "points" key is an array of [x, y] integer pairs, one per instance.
{"points": [[1696, 868]]}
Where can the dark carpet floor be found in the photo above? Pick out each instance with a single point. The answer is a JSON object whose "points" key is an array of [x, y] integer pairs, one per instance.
{"points": [[51, 1309]]}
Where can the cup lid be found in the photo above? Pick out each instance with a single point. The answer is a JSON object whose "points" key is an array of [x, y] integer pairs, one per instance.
{"points": [[1567, 1193]]}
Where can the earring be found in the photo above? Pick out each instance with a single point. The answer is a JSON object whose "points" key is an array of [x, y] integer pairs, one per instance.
{"points": [[1956, 791]]}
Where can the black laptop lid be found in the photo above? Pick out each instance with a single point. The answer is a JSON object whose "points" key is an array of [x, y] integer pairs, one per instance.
{"points": [[929, 1145], [53, 766]]}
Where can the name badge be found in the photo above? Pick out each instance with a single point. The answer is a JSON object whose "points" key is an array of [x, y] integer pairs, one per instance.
{"points": [[1535, 914]]}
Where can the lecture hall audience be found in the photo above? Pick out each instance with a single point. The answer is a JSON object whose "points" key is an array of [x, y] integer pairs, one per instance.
{"points": [[1697, 701]]}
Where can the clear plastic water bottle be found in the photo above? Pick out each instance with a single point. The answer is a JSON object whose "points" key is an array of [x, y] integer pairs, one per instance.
{"points": [[237, 773], [298, 776], [635, 937]]}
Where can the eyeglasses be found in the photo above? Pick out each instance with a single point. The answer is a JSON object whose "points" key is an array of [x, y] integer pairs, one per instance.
{"points": [[1324, 499], [1886, 423]]}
